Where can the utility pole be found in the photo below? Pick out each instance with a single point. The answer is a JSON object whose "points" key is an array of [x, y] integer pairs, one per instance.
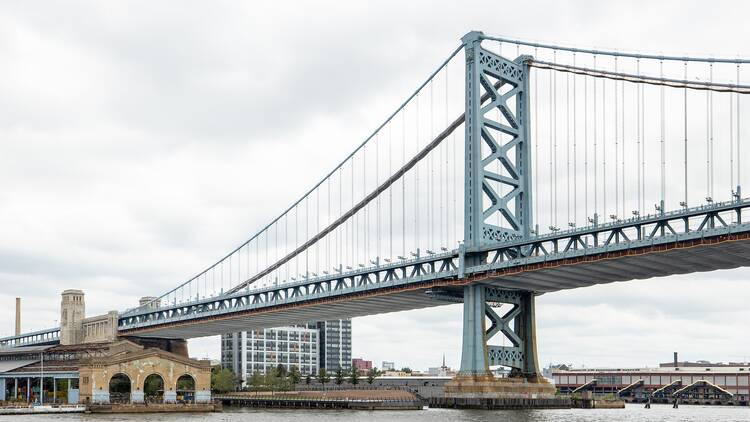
{"points": [[41, 380]]}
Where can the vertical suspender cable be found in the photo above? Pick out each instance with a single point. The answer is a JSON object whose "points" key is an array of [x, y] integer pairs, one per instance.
{"points": [[341, 239], [604, 145], [444, 227], [708, 143], [317, 229], [455, 186], [739, 157], [551, 185], [390, 191], [624, 142], [711, 125], [439, 185], [416, 182], [617, 146], [596, 181], [377, 202], [663, 150], [567, 142], [431, 177], [366, 222], [685, 132], [536, 144], [307, 237], [554, 137], [403, 184], [638, 135], [643, 146], [354, 242], [586, 146], [575, 150], [731, 142]]}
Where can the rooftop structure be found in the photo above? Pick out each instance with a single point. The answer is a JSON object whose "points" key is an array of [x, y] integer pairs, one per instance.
{"points": [[721, 383]]}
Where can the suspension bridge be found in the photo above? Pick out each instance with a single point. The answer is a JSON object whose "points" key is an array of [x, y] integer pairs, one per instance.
{"points": [[515, 169]]}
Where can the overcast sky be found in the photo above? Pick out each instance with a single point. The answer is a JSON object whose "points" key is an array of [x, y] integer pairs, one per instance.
{"points": [[139, 141]]}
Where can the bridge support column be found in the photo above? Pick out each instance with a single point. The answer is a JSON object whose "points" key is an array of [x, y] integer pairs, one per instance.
{"points": [[517, 324], [474, 347]]}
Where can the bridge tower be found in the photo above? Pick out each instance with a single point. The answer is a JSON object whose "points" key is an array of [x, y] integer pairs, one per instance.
{"points": [[497, 130]]}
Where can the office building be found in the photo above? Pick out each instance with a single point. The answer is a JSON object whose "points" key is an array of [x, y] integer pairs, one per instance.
{"points": [[323, 344]]}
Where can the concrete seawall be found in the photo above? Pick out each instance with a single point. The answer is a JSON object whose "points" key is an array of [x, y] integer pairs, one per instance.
{"points": [[313, 403], [337, 399], [499, 404], [154, 408]]}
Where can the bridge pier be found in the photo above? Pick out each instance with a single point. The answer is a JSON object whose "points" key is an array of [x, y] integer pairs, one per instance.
{"points": [[517, 324]]}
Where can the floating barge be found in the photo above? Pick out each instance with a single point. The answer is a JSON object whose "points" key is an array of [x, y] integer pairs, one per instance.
{"points": [[45, 409]]}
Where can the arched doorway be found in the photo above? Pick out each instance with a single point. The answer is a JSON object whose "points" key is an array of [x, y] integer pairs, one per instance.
{"points": [[153, 389], [185, 389], [119, 388]]}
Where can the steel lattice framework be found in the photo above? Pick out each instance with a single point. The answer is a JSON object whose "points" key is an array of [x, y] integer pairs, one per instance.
{"points": [[500, 81]]}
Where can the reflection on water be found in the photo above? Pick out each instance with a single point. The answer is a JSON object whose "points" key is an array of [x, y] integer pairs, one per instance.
{"points": [[632, 413]]}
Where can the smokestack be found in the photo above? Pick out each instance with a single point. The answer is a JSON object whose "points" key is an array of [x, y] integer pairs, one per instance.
{"points": [[675, 360], [18, 316]]}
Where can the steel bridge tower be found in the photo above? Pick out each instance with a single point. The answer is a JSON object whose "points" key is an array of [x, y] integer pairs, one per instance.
{"points": [[497, 122]]}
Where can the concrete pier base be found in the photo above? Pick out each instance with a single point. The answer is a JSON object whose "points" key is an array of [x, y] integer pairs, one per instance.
{"points": [[489, 387]]}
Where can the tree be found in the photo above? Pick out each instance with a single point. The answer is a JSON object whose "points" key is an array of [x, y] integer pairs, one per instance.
{"points": [[280, 371], [354, 376], [406, 369], [222, 380], [339, 376], [256, 380], [271, 379], [323, 377], [372, 374], [294, 375], [308, 379]]}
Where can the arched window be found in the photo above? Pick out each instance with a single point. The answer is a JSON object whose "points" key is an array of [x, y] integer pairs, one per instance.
{"points": [[153, 389], [185, 389], [119, 389]]}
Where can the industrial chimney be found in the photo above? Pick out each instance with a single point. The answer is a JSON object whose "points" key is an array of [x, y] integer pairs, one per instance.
{"points": [[18, 316], [676, 363]]}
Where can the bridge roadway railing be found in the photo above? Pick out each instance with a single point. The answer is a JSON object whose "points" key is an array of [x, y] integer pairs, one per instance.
{"points": [[707, 221], [422, 268], [711, 220], [35, 338]]}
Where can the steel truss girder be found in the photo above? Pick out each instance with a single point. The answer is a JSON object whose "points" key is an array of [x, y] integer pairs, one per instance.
{"points": [[622, 234], [505, 134], [403, 272], [49, 336]]}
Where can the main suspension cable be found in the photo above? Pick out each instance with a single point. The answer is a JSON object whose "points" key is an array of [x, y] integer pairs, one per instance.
{"points": [[642, 79]]}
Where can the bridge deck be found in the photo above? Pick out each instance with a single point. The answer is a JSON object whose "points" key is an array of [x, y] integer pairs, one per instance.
{"points": [[703, 253]]}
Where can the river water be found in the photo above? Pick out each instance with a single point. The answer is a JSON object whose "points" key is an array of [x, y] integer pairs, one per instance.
{"points": [[632, 413]]}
